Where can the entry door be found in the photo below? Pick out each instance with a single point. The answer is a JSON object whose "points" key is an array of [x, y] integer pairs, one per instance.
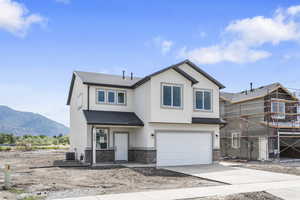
{"points": [[121, 146]]}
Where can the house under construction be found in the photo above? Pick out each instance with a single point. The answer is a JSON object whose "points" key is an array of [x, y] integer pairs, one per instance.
{"points": [[262, 123]]}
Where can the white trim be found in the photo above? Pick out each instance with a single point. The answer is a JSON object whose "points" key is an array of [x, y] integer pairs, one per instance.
{"points": [[236, 135], [172, 86], [211, 99]]}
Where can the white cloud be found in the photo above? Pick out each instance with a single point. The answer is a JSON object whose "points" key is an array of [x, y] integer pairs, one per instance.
{"points": [[63, 1], [165, 46], [243, 37], [294, 10], [15, 18]]}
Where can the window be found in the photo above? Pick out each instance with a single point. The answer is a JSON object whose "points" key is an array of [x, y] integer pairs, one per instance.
{"points": [[203, 100], [101, 96], [121, 97], [101, 138], [236, 140], [171, 95], [105, 96], [278, 108], [111, 96]]}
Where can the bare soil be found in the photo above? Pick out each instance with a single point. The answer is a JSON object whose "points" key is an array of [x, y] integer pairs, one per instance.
{"points": [[53, 182], [244, 196], [287, 168]]}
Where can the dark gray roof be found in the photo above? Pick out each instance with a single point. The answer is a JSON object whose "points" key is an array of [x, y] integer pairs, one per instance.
{"points": [[106, 79], [257, 92], [112, 118], [117, 81], [176, 68], [201, 120]]}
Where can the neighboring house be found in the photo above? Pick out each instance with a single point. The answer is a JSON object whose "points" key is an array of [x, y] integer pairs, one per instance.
{"points": [[262, 123], [170, 117]]}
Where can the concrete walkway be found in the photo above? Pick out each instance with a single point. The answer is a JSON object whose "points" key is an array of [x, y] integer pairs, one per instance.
{"points": [[233, 175], [185, 193]]}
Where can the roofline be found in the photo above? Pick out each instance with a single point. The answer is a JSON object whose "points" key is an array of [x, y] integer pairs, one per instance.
{"points": [[262, 96], [108, 85], [71, 89], [115, 124], [177, 69]]}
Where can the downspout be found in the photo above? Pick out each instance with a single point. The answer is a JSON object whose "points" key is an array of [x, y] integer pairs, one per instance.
{"points": [[88, 97], [92, 144]]}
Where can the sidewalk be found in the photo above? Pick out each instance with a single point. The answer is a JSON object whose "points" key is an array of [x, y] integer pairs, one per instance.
{"points": [[185, 193]]}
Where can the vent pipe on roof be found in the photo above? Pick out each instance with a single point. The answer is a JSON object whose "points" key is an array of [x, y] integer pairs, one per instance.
{"points": [[131, 75], [123, 74], [251, 87]]}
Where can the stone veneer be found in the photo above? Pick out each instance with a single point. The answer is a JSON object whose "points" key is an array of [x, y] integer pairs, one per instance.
{"points": [[216, 154], [101, 156], [142, 156]]}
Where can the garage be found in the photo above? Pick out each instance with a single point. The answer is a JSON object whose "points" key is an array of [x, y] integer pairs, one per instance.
{"points": [[183, 148]]}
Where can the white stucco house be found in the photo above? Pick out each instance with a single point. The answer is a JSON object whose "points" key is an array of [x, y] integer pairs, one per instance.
{"points": [[170, 117]]}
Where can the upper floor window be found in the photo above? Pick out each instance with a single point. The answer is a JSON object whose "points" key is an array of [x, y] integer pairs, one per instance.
{"points": [[277, 109], [101, 96], [121, 97], [203, 100], [171, 95], [79, 101], [111, 96]]}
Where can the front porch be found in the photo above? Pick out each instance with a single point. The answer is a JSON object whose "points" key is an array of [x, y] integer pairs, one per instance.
{"points": [[116, 137]]}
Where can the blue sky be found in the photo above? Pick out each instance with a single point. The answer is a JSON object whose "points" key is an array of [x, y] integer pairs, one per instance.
{"points": [[238, 42]]}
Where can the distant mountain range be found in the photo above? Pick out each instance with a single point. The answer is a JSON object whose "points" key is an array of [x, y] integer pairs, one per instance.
{"points": [[21, 123]]}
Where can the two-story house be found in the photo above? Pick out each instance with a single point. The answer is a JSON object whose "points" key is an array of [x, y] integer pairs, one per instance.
{"points": [[261, 123], [170, 117]]}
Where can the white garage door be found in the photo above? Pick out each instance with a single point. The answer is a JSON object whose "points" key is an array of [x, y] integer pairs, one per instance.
{"points": [[183, 148]]}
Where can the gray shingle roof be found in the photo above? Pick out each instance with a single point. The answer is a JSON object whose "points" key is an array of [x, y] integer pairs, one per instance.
{"points": [[257, 92], [106, 79], [112, 118]]}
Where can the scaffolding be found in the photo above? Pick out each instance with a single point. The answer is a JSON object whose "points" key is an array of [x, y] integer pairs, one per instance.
{"points": [[259, 124]]}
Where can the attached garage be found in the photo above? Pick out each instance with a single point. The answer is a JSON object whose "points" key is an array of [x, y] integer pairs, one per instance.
{"points": [[183, 148]]}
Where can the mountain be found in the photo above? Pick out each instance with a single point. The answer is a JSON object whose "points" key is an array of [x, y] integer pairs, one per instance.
{"points": [[21, 123]]}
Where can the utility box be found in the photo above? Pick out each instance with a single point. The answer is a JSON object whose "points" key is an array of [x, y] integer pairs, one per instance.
{"points": [[70, 156]]}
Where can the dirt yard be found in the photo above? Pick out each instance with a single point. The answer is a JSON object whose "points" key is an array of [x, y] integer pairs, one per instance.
{"points": [[53, 182], [287, 168], [244, 196]]}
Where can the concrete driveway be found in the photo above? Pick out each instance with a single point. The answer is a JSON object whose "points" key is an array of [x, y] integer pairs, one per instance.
{"points": [[233, 175]]}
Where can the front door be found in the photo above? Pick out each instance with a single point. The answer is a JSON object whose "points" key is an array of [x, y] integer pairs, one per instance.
{"points": [[121, 146]]}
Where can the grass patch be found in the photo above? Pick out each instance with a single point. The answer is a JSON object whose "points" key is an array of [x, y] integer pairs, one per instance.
{"points": [[32, 198], [5, 148], [16, 191]]}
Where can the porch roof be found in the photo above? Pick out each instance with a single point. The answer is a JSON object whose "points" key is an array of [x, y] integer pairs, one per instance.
{"points": [[113, 118]]}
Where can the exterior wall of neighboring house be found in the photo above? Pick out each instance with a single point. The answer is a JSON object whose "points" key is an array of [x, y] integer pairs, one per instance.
{"points": [[78, 126], [257, 141]]}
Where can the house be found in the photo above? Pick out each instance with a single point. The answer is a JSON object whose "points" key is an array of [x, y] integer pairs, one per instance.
{"points": [[261, 123], [170, 117]]}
